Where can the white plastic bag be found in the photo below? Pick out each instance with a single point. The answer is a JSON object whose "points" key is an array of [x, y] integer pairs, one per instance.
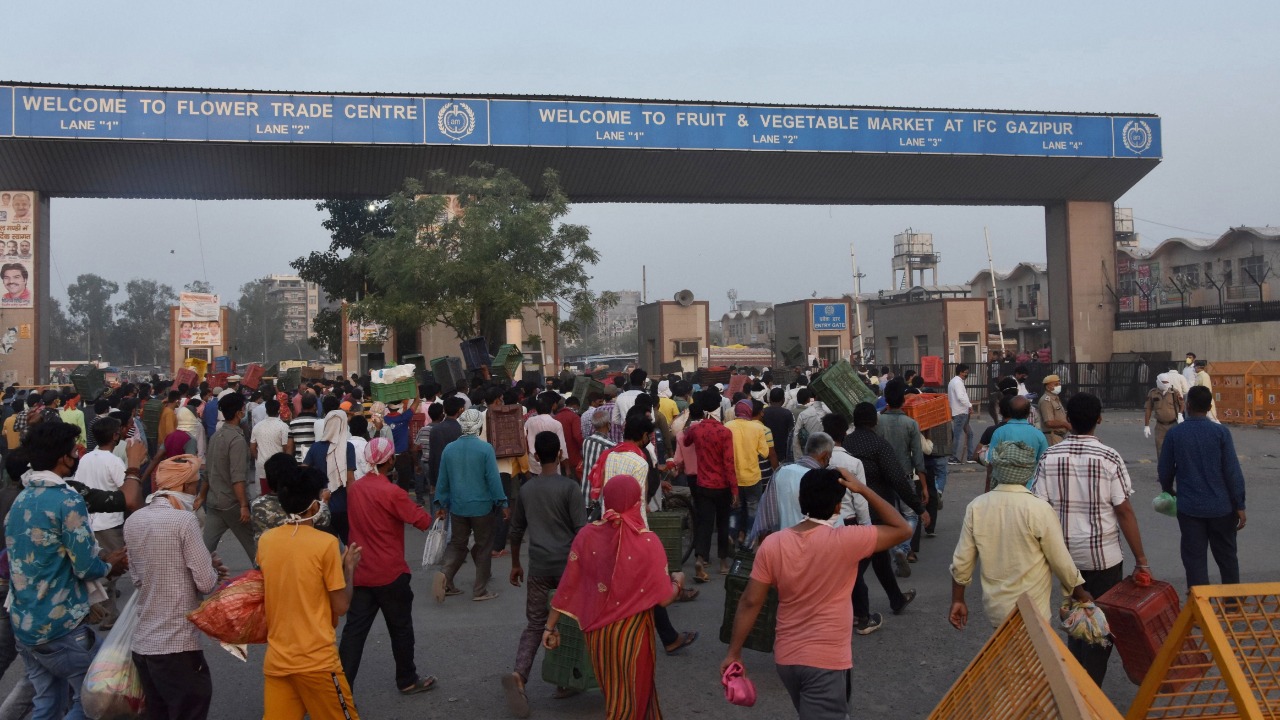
{"points": [[112, 686], [437, 540]]}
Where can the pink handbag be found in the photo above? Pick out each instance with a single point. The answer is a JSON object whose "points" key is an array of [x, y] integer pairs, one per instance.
{"points": [[738, 689]]}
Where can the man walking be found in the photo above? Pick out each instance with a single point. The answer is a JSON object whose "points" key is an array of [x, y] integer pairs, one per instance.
{"points": [[442, 435], [51, 559], [551, 511], [1088, 485], [102, 470], [468, 490], [1165, 403], [224, 497], [961, 407], [814, 567], [270, 436], [1019, 540], [1198, 464], [172, 570], [377, 511]]}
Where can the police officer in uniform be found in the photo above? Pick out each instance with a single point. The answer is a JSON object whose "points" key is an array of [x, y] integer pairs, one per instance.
{"points": [[1053, 417]]}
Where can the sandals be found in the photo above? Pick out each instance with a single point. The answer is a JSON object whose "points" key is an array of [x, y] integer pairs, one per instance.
{"points": [[700, 572], [517, 700], [686, 639], [487, 596], [687, 594], [425, 684]]}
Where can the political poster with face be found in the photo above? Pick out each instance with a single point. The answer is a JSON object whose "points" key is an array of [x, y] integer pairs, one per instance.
{"points": [[17, 248]]}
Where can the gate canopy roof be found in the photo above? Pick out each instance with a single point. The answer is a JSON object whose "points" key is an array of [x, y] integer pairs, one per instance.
{"points": [[77, 141]]}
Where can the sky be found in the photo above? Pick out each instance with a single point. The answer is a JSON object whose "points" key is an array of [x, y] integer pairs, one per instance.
{"points": [[1210, 75]]}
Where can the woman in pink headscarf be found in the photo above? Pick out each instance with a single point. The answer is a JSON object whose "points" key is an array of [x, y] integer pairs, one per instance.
{"points": [[617, 574], [177, 442]]}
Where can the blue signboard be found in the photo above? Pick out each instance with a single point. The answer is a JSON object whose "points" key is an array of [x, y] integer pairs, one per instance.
{"points": [[830, 317], [85, 113]]}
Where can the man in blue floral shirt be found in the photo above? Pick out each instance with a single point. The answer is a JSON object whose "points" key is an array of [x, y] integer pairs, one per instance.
{"points": [[52, 554]]}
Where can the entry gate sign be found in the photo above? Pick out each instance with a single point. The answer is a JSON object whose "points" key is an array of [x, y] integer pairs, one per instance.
{"points": [[830, 317], [120, 114]]}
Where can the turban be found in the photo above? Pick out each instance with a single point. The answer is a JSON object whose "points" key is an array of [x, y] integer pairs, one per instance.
{"points": [[743, 410], [175, 472], [471, 421], [378, 451]]}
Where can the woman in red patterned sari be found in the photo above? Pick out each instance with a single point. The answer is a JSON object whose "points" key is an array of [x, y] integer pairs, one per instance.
{"points": [[617, 574]]}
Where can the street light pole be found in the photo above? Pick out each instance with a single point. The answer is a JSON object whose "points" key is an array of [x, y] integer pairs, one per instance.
{"points": [[857, 305]]}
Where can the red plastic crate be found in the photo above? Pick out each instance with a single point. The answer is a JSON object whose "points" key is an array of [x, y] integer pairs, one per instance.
{"points": [[1140, 619], [929, 410], [186, 376], [931, 370], [252, 376], [219, 379]]}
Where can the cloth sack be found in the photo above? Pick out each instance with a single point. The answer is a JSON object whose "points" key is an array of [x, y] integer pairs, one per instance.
{"points": [[236, 614], [437, 541], [738, 688]]}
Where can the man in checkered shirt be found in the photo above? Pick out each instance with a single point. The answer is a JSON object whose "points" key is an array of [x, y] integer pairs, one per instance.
{"points": [[1088, 486]]}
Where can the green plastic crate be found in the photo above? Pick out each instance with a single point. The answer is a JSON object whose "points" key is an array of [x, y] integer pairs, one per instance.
{"points": [[151, 417], [669, 527], [570, 664], [394, 392], [88, 381], [583, 386], [764, 631], [506, 363], [291, 380], [841, 389]]}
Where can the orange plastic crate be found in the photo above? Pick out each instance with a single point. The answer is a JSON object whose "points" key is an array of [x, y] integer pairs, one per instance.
{"points": [[928, 410]]}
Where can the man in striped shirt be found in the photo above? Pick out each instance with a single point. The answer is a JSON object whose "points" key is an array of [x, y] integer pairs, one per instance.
{"points": [[593, 447], [1088, 486]]}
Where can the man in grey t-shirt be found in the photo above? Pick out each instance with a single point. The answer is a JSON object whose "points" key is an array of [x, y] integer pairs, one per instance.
{"points": [[551, 510], [225, 497]]}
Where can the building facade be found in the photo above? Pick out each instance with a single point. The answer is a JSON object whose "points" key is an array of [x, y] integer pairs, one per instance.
{"points": [[953, 328], [1022, 297], [671, 331], [820, 327], [301, 301], [751, 327]]}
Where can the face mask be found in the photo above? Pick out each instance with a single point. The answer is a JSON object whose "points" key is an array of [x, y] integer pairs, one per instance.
{"points": [[1057, 390], [1189, 361]]}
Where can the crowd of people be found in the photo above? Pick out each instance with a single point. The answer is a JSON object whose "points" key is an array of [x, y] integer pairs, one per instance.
{"points": [[317, 484]]}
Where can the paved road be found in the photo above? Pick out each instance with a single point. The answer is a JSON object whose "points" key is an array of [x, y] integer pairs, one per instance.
{"points": [[902, 671]]}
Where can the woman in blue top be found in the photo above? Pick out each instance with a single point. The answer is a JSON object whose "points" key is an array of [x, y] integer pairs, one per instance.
{"points": [[334, 454]]}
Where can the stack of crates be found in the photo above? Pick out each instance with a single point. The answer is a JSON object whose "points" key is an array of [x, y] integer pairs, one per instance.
{"points": [[200, 366], [292, 380], [223, 364], [765, 629], [840, 388], [669, 527], [928, 410], [506, 363], [151, 418], [569, 665]]}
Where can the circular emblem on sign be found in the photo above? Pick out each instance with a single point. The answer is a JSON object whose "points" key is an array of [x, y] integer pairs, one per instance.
{"points": [[1137, 136], [456, 120], [830, 309]]}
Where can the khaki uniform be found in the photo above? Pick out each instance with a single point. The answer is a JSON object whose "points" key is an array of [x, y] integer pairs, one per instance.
{"points": [[1050, 407], [1165, 408]]}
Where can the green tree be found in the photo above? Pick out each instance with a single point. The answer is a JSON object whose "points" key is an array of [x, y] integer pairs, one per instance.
{"points": [[259, 325], [90, 305], [504, 252], [354, 226], [327, 333], [142, 332], [62, 332]]}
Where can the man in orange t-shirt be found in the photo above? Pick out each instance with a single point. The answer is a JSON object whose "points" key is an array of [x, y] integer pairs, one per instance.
{"points": [[814, 566]]}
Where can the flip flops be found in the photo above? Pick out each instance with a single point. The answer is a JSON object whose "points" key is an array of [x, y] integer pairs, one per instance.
{"points": [[425, 684], [686, 639]]}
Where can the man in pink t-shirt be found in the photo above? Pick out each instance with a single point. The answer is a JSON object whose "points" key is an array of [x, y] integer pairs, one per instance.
{"points": [[814, 566]]}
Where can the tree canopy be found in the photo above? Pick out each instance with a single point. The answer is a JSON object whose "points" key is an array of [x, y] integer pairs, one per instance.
{"points": [[470, 266]]}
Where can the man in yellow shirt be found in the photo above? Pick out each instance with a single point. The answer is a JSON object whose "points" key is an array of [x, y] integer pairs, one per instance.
{"points": [[666, 405], [12, 437], [307, 587], [751, 443], [1019, 539]]}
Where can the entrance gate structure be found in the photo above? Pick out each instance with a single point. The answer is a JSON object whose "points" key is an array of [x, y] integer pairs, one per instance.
{"points": [[128, 142]]}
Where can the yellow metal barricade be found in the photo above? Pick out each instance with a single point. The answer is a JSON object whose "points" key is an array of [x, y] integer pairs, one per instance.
{"points": [[1262, 386], [1229, 396]]}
